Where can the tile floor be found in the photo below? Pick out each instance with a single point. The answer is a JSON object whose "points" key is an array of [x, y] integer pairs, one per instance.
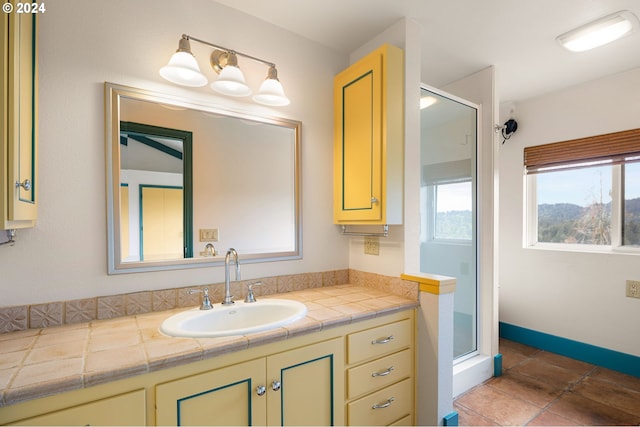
{"points": [[542, 388]]}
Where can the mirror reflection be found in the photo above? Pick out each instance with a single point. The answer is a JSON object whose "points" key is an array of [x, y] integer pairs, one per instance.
{"points": [[155, 192], [188, 181]]}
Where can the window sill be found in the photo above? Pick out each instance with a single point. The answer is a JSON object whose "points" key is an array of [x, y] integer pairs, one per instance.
{"points": [[564, 247]]}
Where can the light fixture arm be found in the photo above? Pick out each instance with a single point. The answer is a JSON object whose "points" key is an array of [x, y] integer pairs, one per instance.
{"points": [[188, 37]]}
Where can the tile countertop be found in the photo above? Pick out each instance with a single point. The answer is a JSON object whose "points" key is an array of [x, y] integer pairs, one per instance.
{"points": [[40, 362]]}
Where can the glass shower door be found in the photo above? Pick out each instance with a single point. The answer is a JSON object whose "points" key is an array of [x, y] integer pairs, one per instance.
{"points": [[449, 244]]}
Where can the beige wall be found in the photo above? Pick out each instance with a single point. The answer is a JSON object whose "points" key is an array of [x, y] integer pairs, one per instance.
{"points": [[84, 43]]}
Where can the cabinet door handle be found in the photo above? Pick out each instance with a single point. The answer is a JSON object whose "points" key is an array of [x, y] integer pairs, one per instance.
{"points": [[384, 405], [382, 340], [374, 199], [383, 373], [275, 386], [26, 184], [261, 390]]}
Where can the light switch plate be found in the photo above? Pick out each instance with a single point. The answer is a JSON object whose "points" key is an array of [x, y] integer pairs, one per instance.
{"points": [[372, 245], [208, 234]]}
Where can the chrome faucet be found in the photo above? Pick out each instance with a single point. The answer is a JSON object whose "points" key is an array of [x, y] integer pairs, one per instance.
{"points": [[228, 298], [206, 302]]}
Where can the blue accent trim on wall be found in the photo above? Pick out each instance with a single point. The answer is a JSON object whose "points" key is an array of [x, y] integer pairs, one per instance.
{"points": [[497, 365], [451, 419], [610, 359]]}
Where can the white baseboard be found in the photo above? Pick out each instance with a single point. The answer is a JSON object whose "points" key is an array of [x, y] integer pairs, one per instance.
{"points": [[471, 372]]}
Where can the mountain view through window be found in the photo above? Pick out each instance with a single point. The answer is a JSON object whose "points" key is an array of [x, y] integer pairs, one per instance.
{"points": [[575, 206]]}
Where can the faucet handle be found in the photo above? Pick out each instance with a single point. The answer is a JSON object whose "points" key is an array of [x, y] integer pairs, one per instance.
{"points": [[250, 296], [206, 302]]}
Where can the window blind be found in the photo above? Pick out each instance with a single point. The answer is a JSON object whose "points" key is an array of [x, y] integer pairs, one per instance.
{"points": [[611, 148]]}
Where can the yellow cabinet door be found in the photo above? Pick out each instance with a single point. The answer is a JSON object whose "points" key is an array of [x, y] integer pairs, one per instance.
{"points": [[358, 150], [123, 410], [306, 385], [368, 135], [18, 157], [223, 397], [161, 223]]}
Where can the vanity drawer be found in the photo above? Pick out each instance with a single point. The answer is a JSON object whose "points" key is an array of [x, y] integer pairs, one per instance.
{"points": [[378, 341], [383, 407], [378, 373]]}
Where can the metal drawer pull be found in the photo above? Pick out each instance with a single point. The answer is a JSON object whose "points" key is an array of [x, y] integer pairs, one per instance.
{"points": [[382, 341], [275, 386], [384, 405], [383, 373], [261, 390]]}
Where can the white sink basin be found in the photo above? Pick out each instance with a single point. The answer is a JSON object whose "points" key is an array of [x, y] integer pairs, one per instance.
{"points": [[238, 319]]}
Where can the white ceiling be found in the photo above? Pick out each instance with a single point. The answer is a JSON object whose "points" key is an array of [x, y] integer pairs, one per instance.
{"points": [[460, 37]]}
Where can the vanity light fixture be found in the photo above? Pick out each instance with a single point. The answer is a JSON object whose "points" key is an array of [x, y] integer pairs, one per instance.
{"points": [[599, 32], [183, 69]]}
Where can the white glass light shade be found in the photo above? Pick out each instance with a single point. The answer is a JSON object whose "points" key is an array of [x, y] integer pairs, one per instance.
{"points": [[183, 69], [599, 32], [271, 93], [231, 82]]}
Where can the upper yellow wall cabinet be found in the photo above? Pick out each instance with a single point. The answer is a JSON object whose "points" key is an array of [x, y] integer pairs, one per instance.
{"points": [[18, 153], [369, 139]]}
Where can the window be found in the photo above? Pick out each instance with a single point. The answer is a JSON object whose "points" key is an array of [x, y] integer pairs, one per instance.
{"points": [[574, 206], [585, 193], [631, 205]]}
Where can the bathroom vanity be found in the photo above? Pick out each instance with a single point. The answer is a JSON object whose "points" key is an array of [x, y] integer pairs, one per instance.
{"points": [[336, 366]]}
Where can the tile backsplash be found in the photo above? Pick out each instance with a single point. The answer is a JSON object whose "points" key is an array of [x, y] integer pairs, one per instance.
{"points": [[58, 313]]}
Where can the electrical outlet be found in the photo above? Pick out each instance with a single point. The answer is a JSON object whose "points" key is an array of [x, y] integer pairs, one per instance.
{"points": [[633, 288], [372, 245], [208, 234]]}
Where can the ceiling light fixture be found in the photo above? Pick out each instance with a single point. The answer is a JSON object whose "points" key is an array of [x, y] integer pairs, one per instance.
{"points": [[183, 69], [599, 32]]}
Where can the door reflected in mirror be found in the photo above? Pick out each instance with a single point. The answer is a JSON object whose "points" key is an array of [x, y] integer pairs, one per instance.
{"points": [[155, 192], [182, 175]]}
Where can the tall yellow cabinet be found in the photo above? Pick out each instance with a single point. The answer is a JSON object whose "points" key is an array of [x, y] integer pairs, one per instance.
{"points": [[18, 152], [369, 139]]}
